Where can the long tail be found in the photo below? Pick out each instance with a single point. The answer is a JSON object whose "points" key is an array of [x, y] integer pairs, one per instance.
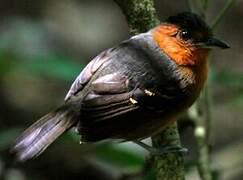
{"points": [[41, 134]]}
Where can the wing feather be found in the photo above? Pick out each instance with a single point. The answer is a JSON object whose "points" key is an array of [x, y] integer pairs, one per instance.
{"points": [[87, 73]]}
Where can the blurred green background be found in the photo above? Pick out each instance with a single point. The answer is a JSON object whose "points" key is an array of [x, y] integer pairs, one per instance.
{"points": [[45, 44]]}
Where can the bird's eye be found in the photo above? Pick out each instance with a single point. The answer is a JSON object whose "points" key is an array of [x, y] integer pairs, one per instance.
{"points": [[184, 35]]}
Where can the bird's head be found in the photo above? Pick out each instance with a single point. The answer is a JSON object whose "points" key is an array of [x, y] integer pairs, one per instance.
{"points": [[186, 39]]}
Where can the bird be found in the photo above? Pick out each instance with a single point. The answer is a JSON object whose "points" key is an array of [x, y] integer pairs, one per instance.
{"points": [[133, 90]]}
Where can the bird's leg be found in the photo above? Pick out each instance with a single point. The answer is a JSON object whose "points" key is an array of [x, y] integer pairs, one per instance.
{"points": [[161, 150]]}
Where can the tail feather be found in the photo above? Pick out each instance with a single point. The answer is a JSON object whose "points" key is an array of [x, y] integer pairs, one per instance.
{"points": [[41, 134]]}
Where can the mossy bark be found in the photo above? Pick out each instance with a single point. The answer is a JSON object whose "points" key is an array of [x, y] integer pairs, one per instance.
{"points": [[169, 166], [141, 16]]}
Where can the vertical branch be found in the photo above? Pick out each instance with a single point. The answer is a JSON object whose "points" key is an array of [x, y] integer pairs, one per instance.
{"points": [[201, 132], [169, 166], [141, 16], [207, 109]]}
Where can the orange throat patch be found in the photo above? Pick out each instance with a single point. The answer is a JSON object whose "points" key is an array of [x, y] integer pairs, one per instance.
{"points": [[179, 52]]}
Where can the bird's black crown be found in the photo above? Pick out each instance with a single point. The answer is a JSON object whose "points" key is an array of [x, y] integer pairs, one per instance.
{"points": [[188, 20], [191, 22]]}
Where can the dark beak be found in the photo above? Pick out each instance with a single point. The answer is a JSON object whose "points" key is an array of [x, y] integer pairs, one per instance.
{"points": [[213, 42]]}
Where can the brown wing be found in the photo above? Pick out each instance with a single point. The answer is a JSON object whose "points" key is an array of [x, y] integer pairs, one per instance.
{"points": [[84, 77], [110, 96], [114, 106]]}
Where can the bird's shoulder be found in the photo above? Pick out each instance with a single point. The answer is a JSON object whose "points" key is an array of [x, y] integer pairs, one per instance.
{"points": [[86, 74], [139, 51]]}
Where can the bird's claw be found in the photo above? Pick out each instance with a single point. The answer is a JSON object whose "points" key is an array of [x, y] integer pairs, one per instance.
{"points": [[163, 149], [169, 149]]}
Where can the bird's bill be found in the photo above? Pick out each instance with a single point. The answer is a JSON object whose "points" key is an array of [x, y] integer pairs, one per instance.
{"points": [[213, 42]]}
